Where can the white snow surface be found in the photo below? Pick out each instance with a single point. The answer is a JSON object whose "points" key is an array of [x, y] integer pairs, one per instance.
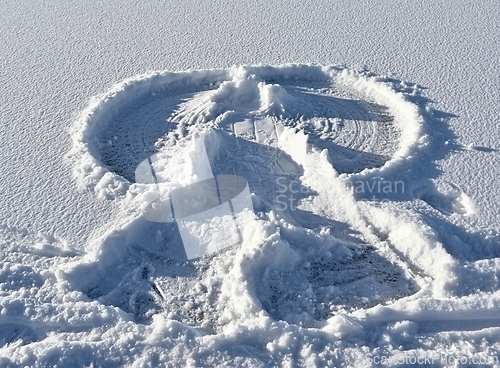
{"points": [[368, 134]]}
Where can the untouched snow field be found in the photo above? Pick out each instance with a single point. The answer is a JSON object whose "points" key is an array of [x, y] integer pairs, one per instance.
{"points": [[351, 148]]}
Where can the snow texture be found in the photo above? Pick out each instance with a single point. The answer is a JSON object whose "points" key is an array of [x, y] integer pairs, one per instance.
{"points": [[354, 216]]}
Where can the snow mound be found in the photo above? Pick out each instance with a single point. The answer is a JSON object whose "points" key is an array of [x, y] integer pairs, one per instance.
{"points": [[301, 248], [268, 209], [288, 131]]}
